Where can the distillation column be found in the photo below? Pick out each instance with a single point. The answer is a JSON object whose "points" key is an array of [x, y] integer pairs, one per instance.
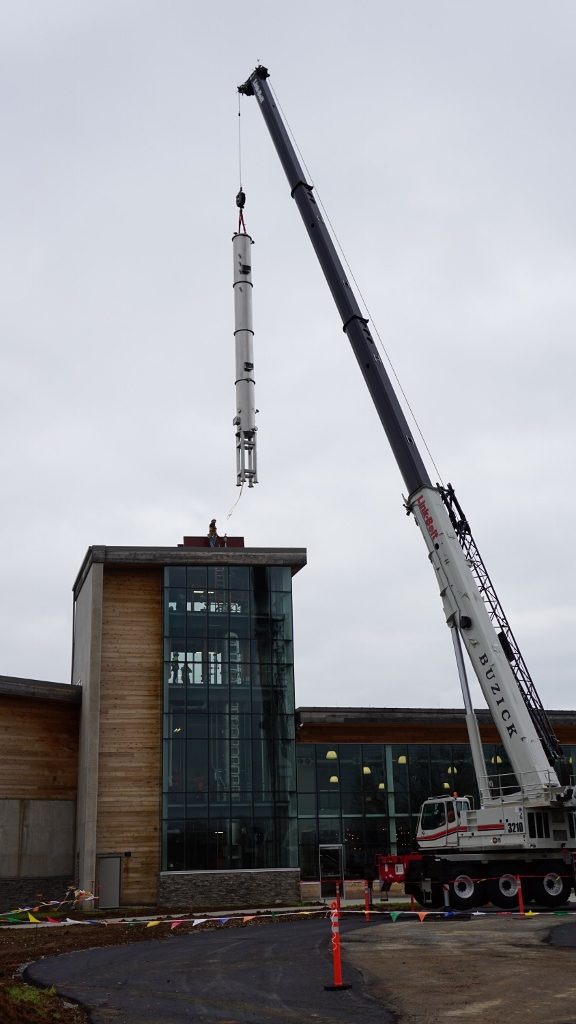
{"points": [[245, 419]]}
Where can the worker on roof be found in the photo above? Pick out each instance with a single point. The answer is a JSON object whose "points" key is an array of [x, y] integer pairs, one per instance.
{"points": [[213, 534]]}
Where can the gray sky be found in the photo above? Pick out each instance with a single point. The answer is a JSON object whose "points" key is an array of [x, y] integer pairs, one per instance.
{"points": [[440, 136]]}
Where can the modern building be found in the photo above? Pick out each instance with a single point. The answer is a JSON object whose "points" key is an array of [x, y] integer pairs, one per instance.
{"points": [[187, 745], [176, 771]]}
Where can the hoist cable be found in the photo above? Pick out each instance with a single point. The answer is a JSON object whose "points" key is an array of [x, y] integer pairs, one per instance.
{"points": [[241, 197], [363, 300]]}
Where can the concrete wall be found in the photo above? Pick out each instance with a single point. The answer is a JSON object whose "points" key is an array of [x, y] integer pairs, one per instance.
{"points": [[36, 850], [36, 837], [221, 890], [86, 673]]}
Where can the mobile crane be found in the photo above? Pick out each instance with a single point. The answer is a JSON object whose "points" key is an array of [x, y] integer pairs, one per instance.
{"points": [[525, 824]]}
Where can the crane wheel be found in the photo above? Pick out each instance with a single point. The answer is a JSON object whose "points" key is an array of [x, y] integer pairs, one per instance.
{"points": [[503, 891], [467, 893], [551, 890]]}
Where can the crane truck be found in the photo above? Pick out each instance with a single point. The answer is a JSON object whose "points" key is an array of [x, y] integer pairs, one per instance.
{"points": [[524, 826]]}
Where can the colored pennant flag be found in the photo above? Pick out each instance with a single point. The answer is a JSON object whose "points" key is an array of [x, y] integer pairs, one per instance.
{"points": [[33, 919], [249, 918], [53, 920], [152, 924], [174, 924], [531, 913], [395, 914], [223, 920], [560, 913], [201, 920], [422, 914]]}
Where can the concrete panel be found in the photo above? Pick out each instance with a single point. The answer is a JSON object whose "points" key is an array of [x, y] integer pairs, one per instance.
{"points": [[47, 838], [9, 837]]}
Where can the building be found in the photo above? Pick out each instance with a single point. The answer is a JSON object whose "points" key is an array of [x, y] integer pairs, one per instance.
{"points": [[38, 785], [187, 746], [176, 771]]}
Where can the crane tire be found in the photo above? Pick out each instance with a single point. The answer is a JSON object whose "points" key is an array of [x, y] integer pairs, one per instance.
{"points": [[467, 892], [551, 890], [503, 891]]}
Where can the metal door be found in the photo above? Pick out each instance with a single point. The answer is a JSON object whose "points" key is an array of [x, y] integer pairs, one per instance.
{"points": [[108, 881]]}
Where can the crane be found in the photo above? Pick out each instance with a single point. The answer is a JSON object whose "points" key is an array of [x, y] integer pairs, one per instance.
{"points": [[525, 823]]}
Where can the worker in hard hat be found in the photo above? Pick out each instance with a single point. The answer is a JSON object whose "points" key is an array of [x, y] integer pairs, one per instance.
{"points": [[213, 534]]}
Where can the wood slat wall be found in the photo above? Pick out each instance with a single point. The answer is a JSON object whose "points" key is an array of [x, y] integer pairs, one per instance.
{"points": [[130, 759], [38, 749]]}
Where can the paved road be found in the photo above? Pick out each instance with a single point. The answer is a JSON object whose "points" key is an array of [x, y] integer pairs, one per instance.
{"points": [[271, 974]]}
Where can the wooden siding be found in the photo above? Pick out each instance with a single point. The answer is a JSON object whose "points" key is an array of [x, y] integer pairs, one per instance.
{"points": [[129, 779], [38, 749]]}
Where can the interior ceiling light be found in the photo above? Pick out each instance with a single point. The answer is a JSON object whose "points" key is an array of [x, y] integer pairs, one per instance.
{"points": [[402, 759], [331, 755], [366, 770], [381, 785], [333, 778]]}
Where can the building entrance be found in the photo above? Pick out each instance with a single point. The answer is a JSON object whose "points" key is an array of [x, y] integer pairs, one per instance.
{"points": [[331, 868]]}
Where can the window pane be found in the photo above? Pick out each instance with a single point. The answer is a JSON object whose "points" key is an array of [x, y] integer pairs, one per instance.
{"points": [[174, 576], [280, 577], [238, 577], [196, 577]]}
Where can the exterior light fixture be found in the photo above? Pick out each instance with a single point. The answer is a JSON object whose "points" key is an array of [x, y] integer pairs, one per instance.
{"points": [[381, 785], [452, 770], [331, 755], [366, 770], [496, 759], [333, 778], [445, 785], [402, 759]]}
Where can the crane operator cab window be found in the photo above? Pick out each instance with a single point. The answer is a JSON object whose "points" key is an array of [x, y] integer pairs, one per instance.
{"points": [[433, 815]]}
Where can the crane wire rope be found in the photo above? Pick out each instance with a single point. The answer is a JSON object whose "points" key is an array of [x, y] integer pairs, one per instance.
{"points": [[360, 293], [241, 196]]}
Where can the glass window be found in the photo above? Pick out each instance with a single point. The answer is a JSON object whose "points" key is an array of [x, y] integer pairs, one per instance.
{"points": [[196, 578], [218, 577], [197, 765], [433, 815], [228, 676], [280, 577], [239, 577], [175, 766], [197, 832], [306, 768], [175, 612], [175, 576], [175, 845]]}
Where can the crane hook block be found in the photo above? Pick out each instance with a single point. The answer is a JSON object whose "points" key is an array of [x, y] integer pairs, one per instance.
{"points": [[240, 199]]}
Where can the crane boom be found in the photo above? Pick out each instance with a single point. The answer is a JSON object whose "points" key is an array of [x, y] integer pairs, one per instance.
{"points": [[464, 606]]}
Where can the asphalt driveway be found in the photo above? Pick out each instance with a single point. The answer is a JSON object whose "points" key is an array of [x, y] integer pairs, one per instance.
{"points": [[255, 975]]}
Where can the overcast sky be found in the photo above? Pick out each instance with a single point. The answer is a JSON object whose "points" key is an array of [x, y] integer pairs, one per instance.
{"points": [[440, 136]]}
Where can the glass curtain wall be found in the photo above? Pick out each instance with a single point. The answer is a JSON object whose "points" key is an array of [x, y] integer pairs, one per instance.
{"points": [[368, 796], [229, 749]]}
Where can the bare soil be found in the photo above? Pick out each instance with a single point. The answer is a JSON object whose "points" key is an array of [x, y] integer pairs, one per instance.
{"points": [[486, 970]]}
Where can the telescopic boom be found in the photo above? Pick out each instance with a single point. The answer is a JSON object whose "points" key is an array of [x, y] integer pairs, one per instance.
{"points": [[464, 606]]}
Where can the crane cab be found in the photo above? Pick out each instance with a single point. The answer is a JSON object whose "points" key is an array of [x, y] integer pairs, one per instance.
{"points": [[441, 821]]}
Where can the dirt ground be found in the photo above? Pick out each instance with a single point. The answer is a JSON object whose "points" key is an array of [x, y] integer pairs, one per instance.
{"points": [[486, 969], [491, 969]]}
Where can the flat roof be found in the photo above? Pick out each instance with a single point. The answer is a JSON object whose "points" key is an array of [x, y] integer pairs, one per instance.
{"points": [[144, 557], [40, 689], [390, 716]]}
